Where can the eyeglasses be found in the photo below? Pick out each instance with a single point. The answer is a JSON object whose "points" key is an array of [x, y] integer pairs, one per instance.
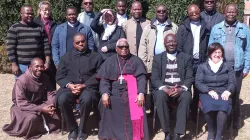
{"points": [[120, 47], [161, 11], [78, 42], [211, 2], [88, 3]]}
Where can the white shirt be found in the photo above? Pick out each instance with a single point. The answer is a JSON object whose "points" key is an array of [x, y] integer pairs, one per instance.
{"points": [[121, 19], [73, 25], [196, 28]]}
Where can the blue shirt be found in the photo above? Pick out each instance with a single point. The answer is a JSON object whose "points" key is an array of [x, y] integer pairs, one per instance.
{"points": [[159, 44]]}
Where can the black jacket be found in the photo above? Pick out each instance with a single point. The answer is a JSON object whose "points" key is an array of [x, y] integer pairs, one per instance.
{"points": [[185, 70], [79, 68], [185, 41], [52, 26], [111, 42], [206, 80]]}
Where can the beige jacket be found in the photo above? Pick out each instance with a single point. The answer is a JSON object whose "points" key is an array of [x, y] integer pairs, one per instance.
{"points": [[148, 40], [129, 28]]}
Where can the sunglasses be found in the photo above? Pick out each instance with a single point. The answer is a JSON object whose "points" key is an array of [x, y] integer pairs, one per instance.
{"points": [[161, 11], [88, 3], [207, 2], [120, 47], [78, 42]]}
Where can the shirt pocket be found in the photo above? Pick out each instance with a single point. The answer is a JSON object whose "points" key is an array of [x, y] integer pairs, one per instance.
{"points": [[217, 37]]}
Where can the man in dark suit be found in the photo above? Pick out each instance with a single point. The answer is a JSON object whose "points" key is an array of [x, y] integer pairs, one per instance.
{"points": [[172, 77], [76, 78]]}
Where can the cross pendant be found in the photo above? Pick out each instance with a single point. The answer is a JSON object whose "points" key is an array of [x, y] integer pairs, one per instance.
{"points": [[120, 78]]}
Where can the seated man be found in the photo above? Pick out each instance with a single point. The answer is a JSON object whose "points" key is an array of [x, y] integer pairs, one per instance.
{"points": [[172, 77], [122, 86], [33, 112], [76, 78]]}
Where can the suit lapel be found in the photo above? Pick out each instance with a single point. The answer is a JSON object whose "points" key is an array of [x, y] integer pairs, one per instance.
{"points": [[163, 65]]}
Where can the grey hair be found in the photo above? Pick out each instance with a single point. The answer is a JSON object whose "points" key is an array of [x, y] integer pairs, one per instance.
{"points": [[119, 40], [43, 3]]}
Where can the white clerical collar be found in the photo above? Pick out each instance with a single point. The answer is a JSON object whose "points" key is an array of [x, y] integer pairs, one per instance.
{"points": [[171, 56], [121, 16], [73, 25]]}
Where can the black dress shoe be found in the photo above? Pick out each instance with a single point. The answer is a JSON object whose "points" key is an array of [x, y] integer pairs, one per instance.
{"points": [[72, 135], [167, 136], [177, 137]]}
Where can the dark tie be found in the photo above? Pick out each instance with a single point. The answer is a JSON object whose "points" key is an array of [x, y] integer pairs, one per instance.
{"points": [[138, 34]]}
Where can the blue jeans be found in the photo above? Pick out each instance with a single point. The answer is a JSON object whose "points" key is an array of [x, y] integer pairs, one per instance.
{"points": [[22, 68]]}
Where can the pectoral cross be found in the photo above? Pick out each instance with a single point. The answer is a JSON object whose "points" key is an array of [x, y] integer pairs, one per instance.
{"points": [[120, 78]]}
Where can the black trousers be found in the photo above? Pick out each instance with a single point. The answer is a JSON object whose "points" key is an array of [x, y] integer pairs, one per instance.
{"points": [[236, 97], [161, 102], [87, 99]]}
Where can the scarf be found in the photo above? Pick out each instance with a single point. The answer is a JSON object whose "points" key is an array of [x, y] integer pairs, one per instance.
{"points": [[215, 66], [108, 31]]}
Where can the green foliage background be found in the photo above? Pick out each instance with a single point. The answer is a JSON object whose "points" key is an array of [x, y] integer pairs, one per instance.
{"points": [[9, 13]]}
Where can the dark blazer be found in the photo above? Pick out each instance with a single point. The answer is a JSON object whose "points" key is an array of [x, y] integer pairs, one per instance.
{"points": [[185, 41], [185, 70], [206, 80], [111, 42], [52, 25], [79, 68]]}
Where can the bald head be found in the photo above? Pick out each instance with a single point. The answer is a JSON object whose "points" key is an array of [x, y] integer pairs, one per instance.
{"points": [[36, 60], [170, 43], [193, 12], [36, 67]]}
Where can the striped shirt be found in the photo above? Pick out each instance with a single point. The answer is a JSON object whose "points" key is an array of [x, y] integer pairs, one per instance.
{"points": [[25, 42], [172, 77]]}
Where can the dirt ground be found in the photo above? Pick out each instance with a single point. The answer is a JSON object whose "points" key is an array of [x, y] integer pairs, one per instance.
{"points": [[7, 81]]}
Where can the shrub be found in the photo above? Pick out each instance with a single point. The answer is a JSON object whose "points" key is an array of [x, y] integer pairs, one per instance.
{"points": [[5, 66]]}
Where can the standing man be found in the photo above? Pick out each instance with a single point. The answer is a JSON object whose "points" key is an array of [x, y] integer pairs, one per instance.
{"points": [[210, 14], [121, 7], [136, 22], [62, 40], [87, 16], [76, 77], [45, 20], [192, 39], [172, 78], [235, 38], [153, 34], [26, 40], [33, 112]]}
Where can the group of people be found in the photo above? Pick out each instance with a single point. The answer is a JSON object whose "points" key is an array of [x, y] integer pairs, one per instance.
{"points": [[110, 61]]}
